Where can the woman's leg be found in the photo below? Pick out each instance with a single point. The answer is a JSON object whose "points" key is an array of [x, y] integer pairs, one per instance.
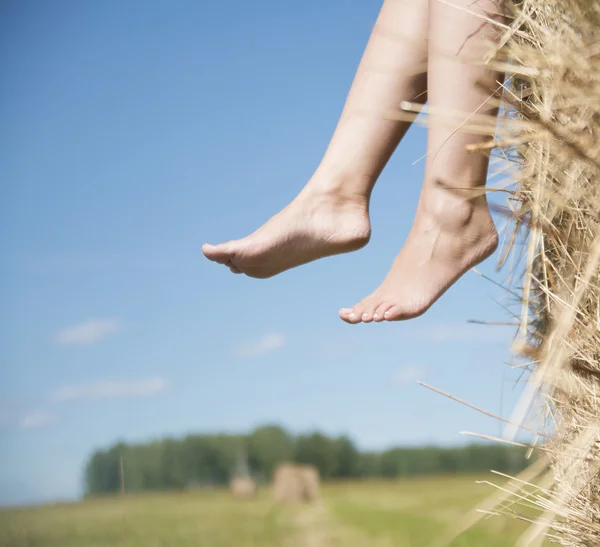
{"points": [[330, 215], [452, 231]]}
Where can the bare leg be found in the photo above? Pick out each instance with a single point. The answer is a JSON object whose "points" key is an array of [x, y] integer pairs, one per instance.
{"points": [[330, 215], [452, 231]]}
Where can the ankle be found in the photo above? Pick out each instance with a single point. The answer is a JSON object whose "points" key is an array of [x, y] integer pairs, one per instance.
{"points": [[340, 191], [454, 213]]}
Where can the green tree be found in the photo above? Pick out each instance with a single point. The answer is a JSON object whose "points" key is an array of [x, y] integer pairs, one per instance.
{"points": [[369, 464], [269, 446], [171, 468], [347, 458], [318, 450], [211, 459]]}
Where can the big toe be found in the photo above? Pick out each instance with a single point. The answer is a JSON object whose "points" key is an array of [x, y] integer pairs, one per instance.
{"points": [[217, 253], [349, 315]]}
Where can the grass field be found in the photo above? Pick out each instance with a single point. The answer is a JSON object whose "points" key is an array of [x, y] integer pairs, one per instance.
{"points": [[352, 514]]}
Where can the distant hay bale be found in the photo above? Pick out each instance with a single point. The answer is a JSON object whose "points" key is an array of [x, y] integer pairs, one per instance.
{"points": [[242, 487], [311, 479], [295, 483]]}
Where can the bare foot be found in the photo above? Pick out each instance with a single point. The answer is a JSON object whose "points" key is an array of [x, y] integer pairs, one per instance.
{"points": [[440, 248], [315, 225]]}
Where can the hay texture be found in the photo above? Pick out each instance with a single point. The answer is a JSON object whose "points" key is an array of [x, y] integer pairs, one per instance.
{"points": [[549, 137], [242, 487], [295, 483]]}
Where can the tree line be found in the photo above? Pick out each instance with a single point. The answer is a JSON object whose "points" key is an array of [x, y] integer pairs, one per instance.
{"points": [[211, 460]]}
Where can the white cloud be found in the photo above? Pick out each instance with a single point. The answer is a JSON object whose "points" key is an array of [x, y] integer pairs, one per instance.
{"points": [[111, 390], [88, 332], [263, 346], [13, 414], [36, 420], [408, 374]]}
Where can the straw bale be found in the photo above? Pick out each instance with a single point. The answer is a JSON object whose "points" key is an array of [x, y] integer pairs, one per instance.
{"points": [[549, 137], [242, 487], [295, 483]]}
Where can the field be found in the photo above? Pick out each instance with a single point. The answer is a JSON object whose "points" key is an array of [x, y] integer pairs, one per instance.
{"points": [[351, 514]]}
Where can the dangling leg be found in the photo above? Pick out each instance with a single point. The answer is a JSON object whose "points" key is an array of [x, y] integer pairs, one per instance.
{"points": [[330, 215], [452, 231]]}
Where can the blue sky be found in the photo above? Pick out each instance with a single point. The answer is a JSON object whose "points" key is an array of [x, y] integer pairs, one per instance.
{"points": [[131, 133]]}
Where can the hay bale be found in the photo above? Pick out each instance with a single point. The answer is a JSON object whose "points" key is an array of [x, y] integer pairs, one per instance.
{"points": [[287, 484], [550, 133], [295, 483], [242, 487], [310, 481], [549, 139]]}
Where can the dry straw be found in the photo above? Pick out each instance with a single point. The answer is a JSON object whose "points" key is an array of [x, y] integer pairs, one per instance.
{"points": [[295, 483], [547, 144], [242, 487], [549, 138]]}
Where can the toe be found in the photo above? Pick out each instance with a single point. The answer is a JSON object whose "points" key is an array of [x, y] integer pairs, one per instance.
{"points": [[366, 317], [368, 311], [379, 314], [393, 313], [349, 315], [234, 270], [210, 251], [217, 253]]}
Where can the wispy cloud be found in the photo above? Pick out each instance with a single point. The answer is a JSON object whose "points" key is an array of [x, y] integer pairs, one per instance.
{"points": [[88, 332], [263, 346], [111, 390], [14, 415], [408, 374], [36, 420]]}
